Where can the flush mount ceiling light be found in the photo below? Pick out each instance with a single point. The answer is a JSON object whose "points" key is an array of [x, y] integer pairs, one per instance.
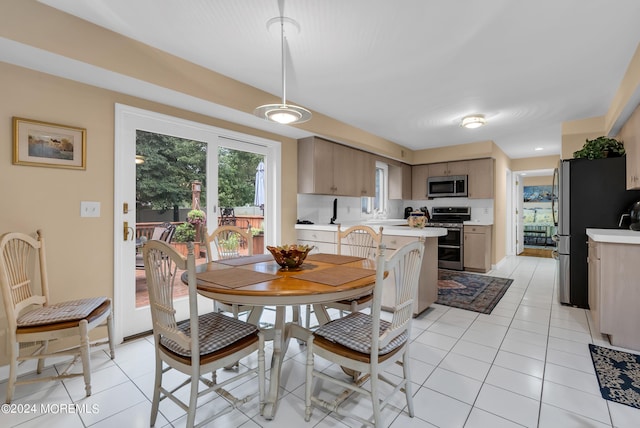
{"points": [[283, 113], [474, 121]]}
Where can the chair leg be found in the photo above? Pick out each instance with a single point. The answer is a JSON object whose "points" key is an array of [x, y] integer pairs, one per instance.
{"points": [[193, 399], [308, 380], [13, 371], [155, 402], [45, 348], [84, 355], [110, 333], [375, 400], [261, 371], [408, 389]]}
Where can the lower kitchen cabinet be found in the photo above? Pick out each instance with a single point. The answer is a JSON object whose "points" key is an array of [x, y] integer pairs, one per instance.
{"points": [[477, 248], [614, 291]]}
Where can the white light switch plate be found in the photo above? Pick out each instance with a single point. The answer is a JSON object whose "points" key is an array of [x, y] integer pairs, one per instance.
{"points": [[89, 209]]}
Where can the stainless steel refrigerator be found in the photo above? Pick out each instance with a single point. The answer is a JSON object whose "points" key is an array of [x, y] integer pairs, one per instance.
{"points": [[591, 194]]}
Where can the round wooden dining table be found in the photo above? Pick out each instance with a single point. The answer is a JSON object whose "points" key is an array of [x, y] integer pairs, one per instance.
{"points": [[258, 281]]}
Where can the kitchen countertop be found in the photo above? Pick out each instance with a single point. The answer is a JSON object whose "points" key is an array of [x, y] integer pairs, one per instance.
{"points": [[614, 236], [477, 223], [391, 227]]}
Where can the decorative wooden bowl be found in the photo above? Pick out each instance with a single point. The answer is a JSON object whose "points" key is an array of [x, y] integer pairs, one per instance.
{"points": [[289, 256]]}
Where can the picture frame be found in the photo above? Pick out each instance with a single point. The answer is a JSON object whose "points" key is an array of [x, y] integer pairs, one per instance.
{"points": [[37, 143]]}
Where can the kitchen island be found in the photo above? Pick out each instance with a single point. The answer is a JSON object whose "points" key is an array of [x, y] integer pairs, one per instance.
{"points": [[614, 290], [395, 234]]}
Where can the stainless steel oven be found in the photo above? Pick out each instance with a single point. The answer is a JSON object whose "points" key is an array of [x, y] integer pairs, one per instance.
{"points": [[450, 249], [451, 245]]}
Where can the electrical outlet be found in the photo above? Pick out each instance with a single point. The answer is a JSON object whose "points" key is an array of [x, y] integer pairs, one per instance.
{"points": [[89, 209], [486, 210]]}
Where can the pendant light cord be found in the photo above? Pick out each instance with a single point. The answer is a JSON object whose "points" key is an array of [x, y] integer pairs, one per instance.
{"points": [[284, 63]]}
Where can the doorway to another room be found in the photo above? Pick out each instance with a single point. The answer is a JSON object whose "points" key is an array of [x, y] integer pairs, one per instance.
{"points": [[536, 208]]}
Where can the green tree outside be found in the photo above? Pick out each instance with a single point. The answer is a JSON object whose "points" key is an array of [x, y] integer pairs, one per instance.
{"points": [[163, 181]]}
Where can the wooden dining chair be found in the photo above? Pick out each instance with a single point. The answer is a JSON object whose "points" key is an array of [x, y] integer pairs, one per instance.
{"points": [[198, 346], [33, 321], [365, 344], [228, 241]]}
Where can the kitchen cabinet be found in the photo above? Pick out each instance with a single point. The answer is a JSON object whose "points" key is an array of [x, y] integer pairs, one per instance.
{"points": [[419, 175], [323, 241], [328, 168], [365, 166], [614, 291], [477, 248], [480, 179], [400, 181], [428, 280], [448, 168]]}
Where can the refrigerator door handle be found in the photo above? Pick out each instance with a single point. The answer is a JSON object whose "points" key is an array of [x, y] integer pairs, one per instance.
{"points": [[554, 196]]}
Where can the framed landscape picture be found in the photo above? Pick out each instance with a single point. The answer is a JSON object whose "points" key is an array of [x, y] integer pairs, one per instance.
{"points": [[538, 193], [46, 144]]}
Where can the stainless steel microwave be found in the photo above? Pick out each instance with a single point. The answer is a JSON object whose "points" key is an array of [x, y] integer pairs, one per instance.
{"points": [[448, 186]]}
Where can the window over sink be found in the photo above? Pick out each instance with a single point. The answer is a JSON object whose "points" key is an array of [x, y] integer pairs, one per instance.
{"points": [[377, 204]]}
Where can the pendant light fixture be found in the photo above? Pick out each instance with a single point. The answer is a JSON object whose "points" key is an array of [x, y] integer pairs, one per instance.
{"points": [[283, 113]]}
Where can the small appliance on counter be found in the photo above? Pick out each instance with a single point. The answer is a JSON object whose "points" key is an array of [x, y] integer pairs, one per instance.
{"points": [[631, 218], [407, 212]]}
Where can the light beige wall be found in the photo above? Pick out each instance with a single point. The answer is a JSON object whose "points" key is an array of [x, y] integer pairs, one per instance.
{"points": [[532, 164], [575, 133], [545, 180], [482, 149], [627, 88]]}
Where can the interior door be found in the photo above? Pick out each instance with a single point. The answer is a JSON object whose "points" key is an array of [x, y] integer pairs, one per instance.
{"points": [[130, 317]]}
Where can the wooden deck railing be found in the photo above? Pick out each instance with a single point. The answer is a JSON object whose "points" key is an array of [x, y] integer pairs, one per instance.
{"points": [[244, 221]]}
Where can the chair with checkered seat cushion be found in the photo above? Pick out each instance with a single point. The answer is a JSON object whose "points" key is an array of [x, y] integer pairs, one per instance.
{"points": [[199, 345], [365, 344], [34, 321]]}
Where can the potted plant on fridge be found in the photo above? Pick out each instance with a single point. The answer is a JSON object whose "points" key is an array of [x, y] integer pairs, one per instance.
{"points": [[601, 147]]}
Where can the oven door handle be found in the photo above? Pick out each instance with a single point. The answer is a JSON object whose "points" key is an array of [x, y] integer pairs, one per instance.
{"points": [[449, 246]]}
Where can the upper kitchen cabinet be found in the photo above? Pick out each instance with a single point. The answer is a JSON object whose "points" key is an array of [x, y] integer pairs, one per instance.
{"points": [[400, 181], [448, 168], [365, 165], [480, 179], [419, 175], [327, 168]]}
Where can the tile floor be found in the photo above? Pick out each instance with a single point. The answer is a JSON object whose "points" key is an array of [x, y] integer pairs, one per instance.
{"points": [[527, 364]]}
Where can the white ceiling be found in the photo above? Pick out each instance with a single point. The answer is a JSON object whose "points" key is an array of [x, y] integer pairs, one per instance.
{"points": [[406, 70]]}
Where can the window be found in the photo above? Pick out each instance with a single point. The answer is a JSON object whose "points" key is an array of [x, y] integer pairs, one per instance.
{"points": [[378, 203]]}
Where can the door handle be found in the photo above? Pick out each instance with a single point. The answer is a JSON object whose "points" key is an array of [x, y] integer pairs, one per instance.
{"points": [[125, 231]]}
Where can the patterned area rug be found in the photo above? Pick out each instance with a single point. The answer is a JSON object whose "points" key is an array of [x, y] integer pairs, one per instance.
{"points": [[479, 293], [618, 375]]}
